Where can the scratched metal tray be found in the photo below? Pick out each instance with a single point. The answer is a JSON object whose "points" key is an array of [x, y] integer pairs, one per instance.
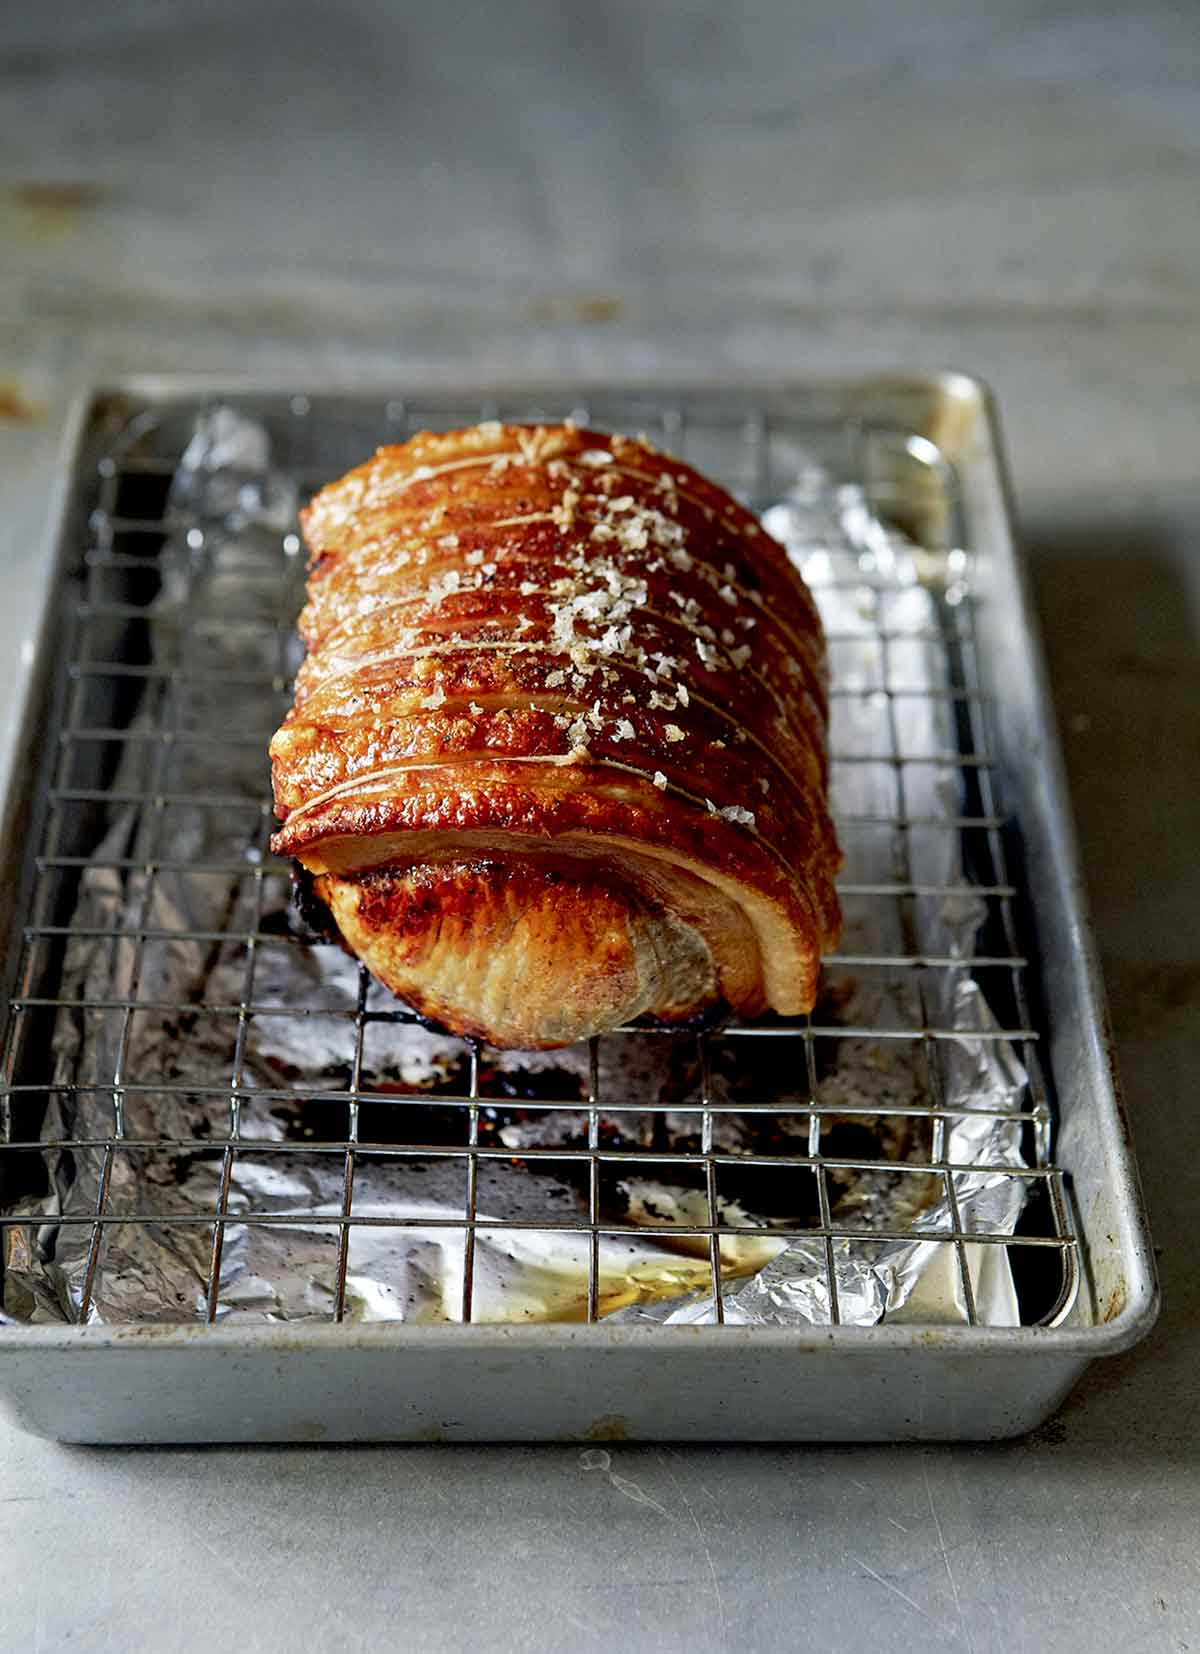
{"points": [[926, 452]]}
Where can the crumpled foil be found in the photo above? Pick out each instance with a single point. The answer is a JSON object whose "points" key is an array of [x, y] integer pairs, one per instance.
{"points": [[234, 512]]}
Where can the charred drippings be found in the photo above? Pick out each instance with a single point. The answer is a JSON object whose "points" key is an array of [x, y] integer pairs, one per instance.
{"points": [[405, 1113], [312, 920]]}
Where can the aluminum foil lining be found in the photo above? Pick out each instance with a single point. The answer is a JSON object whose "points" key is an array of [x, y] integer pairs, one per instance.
{"points": [[236, 521]]}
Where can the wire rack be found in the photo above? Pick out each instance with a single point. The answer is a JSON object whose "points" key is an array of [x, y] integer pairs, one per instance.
{"points": [[111, 672]]}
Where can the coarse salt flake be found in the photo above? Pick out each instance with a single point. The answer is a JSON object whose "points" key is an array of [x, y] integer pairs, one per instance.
{"points": [[442, 585]]}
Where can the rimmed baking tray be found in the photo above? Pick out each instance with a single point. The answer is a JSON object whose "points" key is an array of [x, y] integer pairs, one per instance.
{"points": [[926, 453]]}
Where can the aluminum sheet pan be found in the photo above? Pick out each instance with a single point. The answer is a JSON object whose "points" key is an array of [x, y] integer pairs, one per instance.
{"points": [[889, 1382]]}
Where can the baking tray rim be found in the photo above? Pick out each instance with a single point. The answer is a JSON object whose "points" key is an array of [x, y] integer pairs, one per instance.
{"points": [[1141, 1300]]}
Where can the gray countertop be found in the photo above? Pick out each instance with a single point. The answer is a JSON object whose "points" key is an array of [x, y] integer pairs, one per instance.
{"points": [[699, 191]]}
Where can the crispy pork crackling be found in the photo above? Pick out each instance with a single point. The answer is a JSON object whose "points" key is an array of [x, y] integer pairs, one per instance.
{"points": [[556, 758]]}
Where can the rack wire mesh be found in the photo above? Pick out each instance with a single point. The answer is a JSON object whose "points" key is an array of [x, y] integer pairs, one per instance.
{"points": [[108, 674]]}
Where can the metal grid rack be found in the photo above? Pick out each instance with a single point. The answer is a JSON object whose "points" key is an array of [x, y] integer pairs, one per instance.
{"points": [[103, 682]]}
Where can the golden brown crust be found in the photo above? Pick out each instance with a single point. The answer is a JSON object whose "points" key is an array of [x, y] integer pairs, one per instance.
{"points": [[529, 640], [477, 946]]}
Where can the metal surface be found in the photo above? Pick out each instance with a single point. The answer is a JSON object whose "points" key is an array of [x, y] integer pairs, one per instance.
{"points": [[925, 451]]}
